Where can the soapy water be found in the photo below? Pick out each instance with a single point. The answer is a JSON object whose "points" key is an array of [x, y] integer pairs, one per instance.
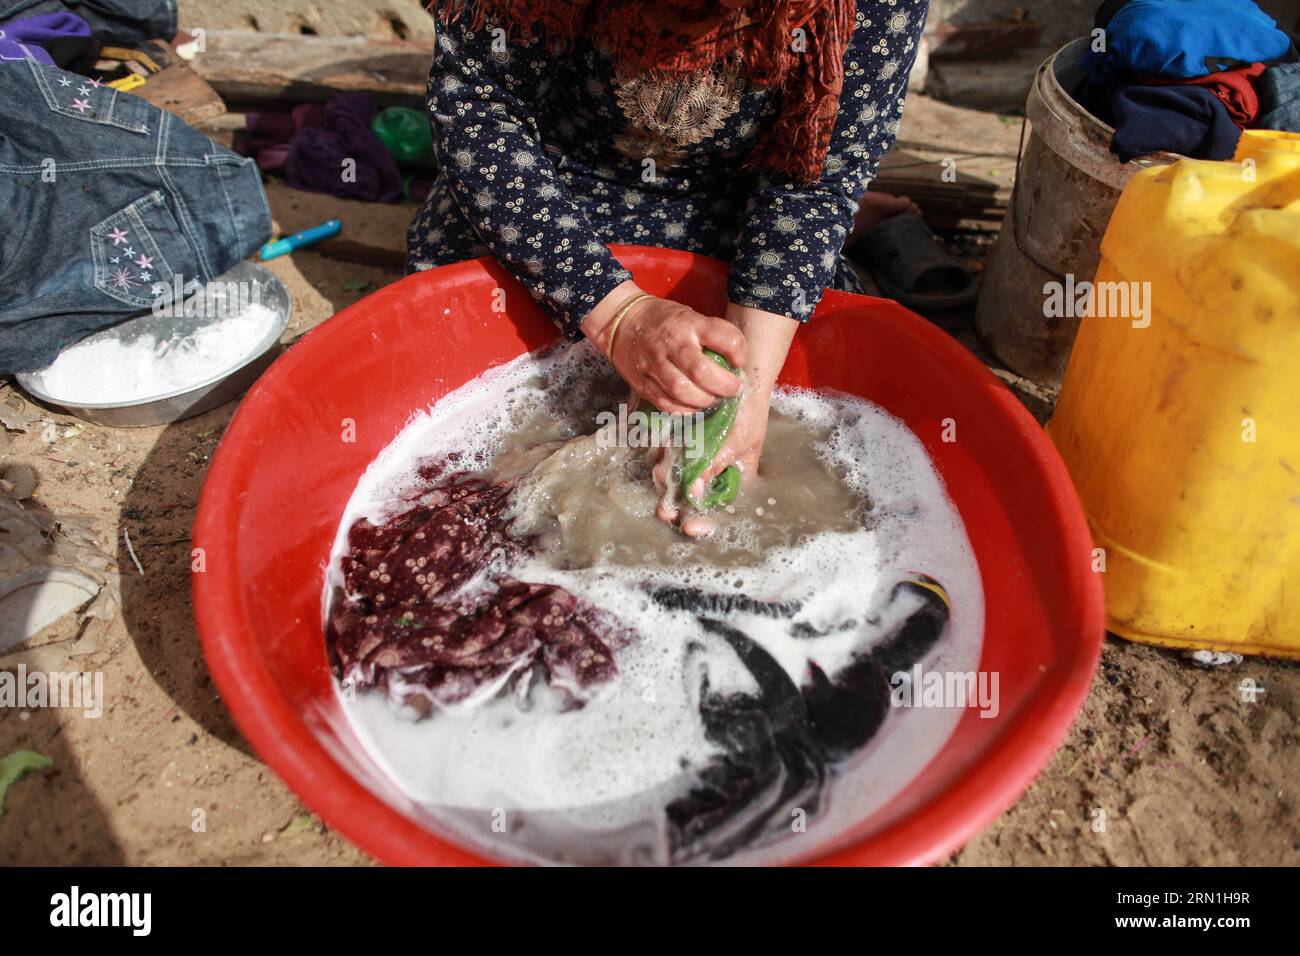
{"points": [[804, 582]]}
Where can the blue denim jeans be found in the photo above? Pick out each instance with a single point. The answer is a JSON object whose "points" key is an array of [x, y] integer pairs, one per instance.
{"points": [[103, 197]]}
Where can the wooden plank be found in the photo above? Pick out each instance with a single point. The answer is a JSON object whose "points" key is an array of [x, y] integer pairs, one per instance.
{"points": [[178, 89], [249, 67], [969, 197]]}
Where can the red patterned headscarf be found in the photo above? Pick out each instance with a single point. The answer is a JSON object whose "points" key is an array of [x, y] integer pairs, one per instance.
{"points": [[677, 38]]}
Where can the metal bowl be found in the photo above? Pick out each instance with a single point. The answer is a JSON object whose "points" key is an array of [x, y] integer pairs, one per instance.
{"points": [[193, 399]]}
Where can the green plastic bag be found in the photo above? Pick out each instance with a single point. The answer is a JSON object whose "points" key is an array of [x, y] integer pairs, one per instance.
{"points": [[405, 132]]}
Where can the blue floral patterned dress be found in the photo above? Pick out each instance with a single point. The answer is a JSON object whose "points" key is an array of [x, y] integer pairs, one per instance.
{"points": [[545, 159]]}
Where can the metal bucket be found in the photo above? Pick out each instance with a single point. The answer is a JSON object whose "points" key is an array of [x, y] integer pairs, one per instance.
{"points": [[193, 399], [1067, 184]]}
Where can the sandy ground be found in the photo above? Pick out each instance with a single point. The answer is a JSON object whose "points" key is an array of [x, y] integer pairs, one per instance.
{"points": [[1184, 769]]}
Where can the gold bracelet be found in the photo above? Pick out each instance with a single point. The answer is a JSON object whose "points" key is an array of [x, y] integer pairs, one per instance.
{"points": [[620, 314]]}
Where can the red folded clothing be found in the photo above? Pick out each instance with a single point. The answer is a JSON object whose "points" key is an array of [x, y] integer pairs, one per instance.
{"points": [[1236, 88]]}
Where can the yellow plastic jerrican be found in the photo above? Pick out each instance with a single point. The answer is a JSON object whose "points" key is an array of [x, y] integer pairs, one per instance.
{"points": [[1256, 142], [1179, 418]]}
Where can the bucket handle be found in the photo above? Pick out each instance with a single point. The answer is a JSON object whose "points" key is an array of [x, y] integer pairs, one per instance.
{"points": [[1015, 210]]}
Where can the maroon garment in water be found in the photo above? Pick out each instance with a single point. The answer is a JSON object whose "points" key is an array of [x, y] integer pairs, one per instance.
{"points": [[423, 617]]}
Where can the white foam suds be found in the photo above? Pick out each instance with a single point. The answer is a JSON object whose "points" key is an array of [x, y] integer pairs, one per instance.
{"points": [[119, 367], [604, 770]]}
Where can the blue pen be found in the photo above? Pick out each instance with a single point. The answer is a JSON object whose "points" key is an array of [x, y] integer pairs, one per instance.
{"points": [[299, 239]]}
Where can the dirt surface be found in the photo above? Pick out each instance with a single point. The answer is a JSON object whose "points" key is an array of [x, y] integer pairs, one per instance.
{"points": [[1184, 769], [1177, 767]]}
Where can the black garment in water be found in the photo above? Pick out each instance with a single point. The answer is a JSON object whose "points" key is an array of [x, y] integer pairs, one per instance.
{"points": [[779, 747], [702, 602]]}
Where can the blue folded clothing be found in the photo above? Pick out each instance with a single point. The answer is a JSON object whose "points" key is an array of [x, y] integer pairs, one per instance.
{"points": [[1183, 39]]}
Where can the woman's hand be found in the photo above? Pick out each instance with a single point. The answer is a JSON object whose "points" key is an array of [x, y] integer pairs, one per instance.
{"points": [[744, 444], [658, 348], [769, 336]]}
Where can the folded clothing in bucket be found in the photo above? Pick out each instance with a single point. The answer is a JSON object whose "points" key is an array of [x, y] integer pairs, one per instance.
{"points": [[1234, 88], [1279, 98], [107, 199], [1182, 39], [1189, 120]]}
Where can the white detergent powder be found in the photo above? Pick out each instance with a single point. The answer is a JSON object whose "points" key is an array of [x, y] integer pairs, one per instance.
{"points": [[120, 367], [590, 784]]}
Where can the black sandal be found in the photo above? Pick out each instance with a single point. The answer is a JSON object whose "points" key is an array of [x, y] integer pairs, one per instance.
{"points": [[912, 267]]}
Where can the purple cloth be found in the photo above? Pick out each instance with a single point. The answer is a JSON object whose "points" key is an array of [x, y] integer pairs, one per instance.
{"points": [[312, 145], [34, 37], [412, 620]]}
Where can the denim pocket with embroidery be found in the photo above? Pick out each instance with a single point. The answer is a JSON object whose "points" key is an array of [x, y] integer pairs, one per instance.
{"points": [[130, 250], [90, 101]]}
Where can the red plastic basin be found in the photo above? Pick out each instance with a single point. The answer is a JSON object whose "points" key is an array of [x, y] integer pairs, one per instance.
{"points": [[278, 484]]}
